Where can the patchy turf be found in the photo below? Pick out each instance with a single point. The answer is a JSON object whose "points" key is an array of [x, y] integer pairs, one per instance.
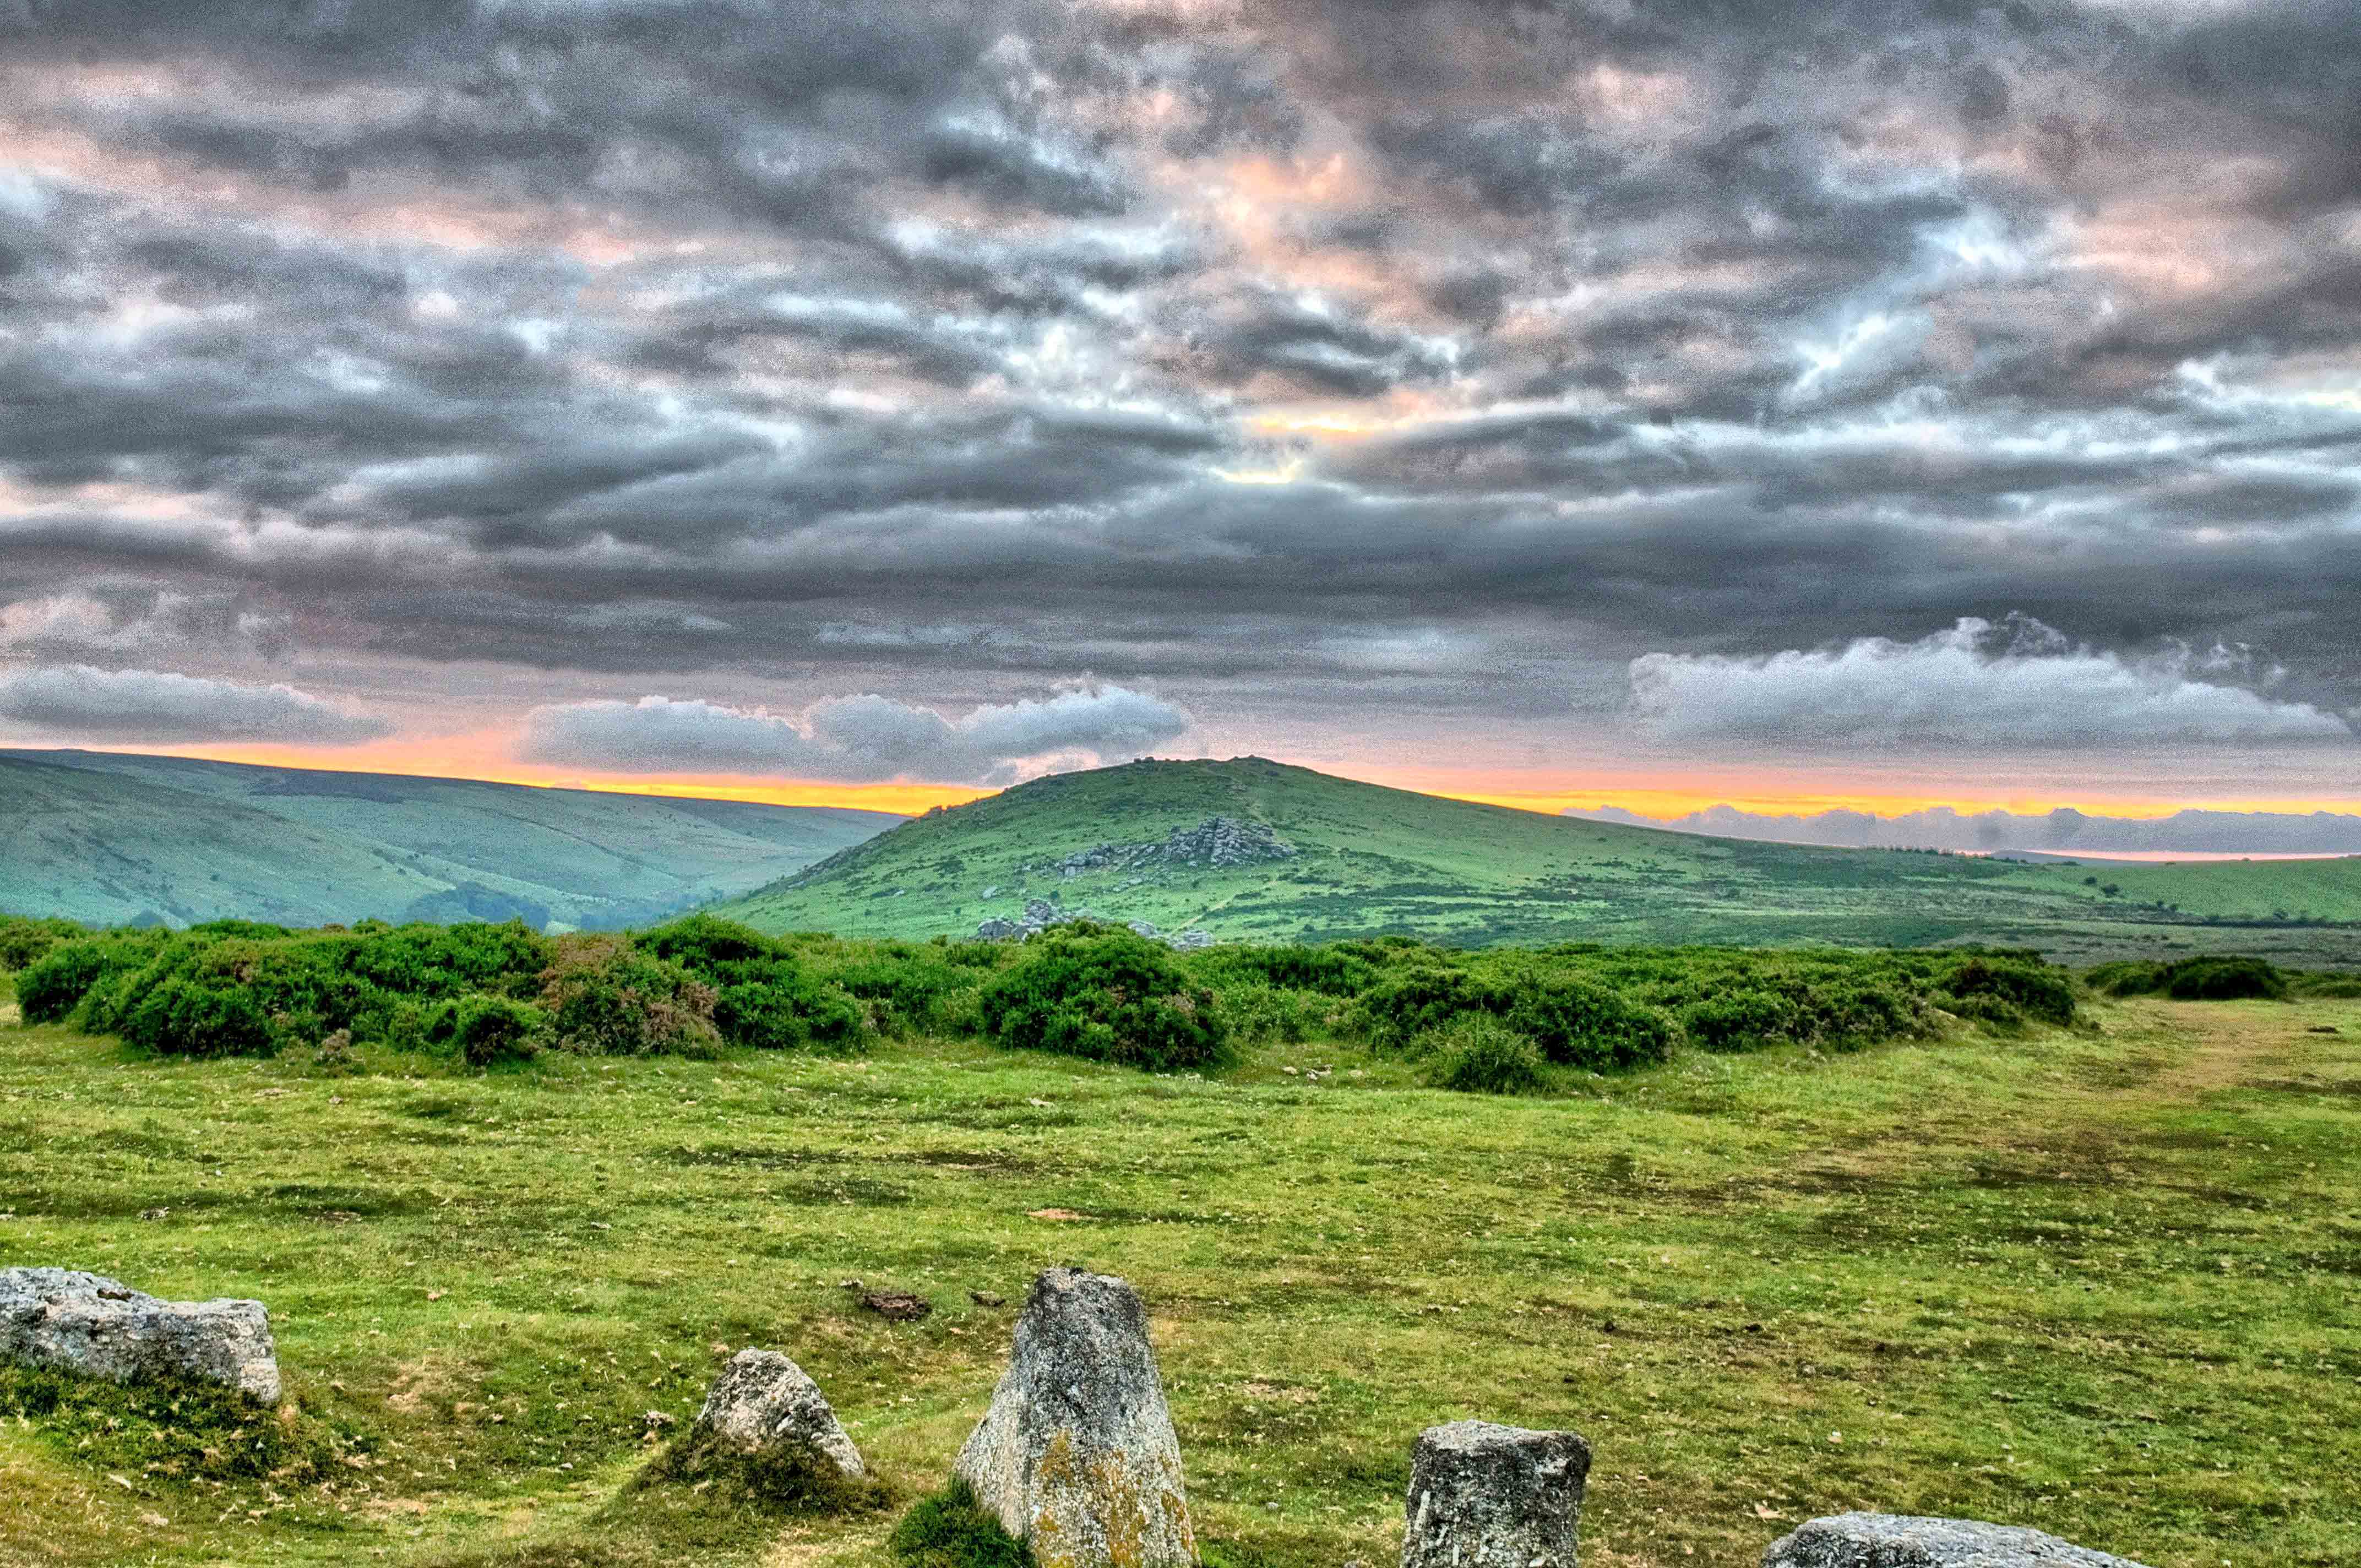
{"points": [[2105, 1283]]}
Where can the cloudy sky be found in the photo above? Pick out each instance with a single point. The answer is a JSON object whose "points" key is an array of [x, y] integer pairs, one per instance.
{"points": [[1654, 401]]}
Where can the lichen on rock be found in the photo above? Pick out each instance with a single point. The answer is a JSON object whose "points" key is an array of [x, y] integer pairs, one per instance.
{"points": [[69, 1320], [1910, 1541], [1076, 1456]]}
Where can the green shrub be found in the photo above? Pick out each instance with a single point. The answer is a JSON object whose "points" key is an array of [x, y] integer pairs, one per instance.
{"points": [[1480, 1055], [25, 942], [764, 996], [2130, 977], [2227, 978], [1741, 1021], [2031, 988], [951, 1529], [483, 1029], [1106, 994], [603, 997], [53, 986], [1332, 970], [1573, 1021]]}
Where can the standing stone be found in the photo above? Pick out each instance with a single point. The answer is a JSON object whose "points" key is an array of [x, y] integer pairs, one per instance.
{"points": [[1905, 1541], [73, 1322], [763, 1401], [1483, 1496], [1076, 1456]]}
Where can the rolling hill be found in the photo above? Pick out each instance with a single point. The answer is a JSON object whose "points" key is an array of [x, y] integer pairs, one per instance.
{"points": [[111, 839], [1250, 848]]}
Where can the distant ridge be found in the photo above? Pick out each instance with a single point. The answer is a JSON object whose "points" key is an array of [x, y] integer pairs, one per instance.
{"points": [[110, 839], [1310, 856], [2065, 831]]}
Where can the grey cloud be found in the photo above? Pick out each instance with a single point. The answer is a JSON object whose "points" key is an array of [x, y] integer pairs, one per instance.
{"points": [[161, 707], [643, 338], [1966, 687], [864, 738]]}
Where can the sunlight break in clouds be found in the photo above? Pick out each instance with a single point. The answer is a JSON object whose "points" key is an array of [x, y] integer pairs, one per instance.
{"points": [[1976, 683], [860, 738]]}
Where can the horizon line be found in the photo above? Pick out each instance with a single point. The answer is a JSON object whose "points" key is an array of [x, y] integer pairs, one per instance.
{"points": [[905, 799]]}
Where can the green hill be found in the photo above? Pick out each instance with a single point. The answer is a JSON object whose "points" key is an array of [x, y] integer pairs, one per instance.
{"points": [[111, 839], [1311, 856]]}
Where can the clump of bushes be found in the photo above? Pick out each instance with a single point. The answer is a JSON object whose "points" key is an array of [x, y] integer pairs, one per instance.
{"points": [[25, 941], [482, 1029], [604, 997], [762, 997], [1571, 1020], [1108, 995], [2224, 977], [1481, 1055], [2008, 988]]}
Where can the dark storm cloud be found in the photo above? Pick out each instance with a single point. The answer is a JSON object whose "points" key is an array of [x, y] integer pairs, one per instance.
{"points": [[1455, 353]]}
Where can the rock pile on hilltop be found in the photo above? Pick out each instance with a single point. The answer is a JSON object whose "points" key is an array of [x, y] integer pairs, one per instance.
{"points": [[1216, 841]]}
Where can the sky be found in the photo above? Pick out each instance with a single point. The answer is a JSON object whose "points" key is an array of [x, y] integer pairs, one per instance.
{"points": [[1795, 404]]}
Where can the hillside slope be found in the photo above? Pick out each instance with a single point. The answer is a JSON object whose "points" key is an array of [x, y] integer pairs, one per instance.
{"points": [[107, 839], [1347, 859]]}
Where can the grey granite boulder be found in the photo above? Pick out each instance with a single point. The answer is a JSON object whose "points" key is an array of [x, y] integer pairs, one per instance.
{"points": [[73, 1322], [763, 1402], [1076, 1456], [1905, 1540], [1484, 1496]]}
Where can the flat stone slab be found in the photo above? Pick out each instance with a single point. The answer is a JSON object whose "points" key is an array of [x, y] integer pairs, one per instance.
{"points": [[65, 1319], [1485, 1495], [1077, 1457], [763, 1401], [1910, 1541]]}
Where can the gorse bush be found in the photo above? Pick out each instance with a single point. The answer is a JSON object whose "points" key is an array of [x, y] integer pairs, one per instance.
{"points": [[483, 1029], [1106, 994], [603, 997], [1571, 1020], [1481, 1055], [481, 993], [24, 942]]}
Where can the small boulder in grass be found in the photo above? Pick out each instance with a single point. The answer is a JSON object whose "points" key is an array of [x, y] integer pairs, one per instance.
{"points": [[1485, 1495], [763, 1400], [767, 1436], [897, 1305], [67, 1321], [1909, 1540]]}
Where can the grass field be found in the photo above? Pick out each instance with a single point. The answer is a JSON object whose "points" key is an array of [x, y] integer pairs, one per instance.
{"points": [[2105, 1282], [1370, 859]]}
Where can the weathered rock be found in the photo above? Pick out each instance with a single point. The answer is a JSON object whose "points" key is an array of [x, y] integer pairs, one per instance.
{"points": [[762, 1402], [1484, 1496], [1076, 1456], [87, 1323], [1905, 1541], [998, 930]]}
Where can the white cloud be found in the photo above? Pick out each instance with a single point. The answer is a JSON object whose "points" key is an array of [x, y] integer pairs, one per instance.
{"points": [[2019, 685], [863, 738], [82, 702]]}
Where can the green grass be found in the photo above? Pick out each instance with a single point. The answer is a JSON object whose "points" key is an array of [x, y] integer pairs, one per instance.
{"points": [[2104, 1282], [1372, 860]]}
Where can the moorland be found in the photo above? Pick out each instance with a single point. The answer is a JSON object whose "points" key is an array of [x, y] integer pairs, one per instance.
{"points": [[1319, 858], [111, 837], [1784, 1233]]}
